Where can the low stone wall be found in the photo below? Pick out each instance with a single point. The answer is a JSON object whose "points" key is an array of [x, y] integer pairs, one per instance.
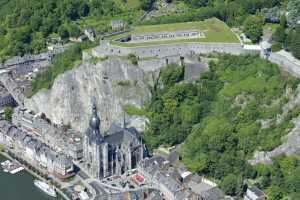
{"points": [[288, 64], [106, 49]]}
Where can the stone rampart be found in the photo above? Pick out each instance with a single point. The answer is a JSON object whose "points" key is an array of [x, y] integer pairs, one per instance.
{"points": [[107, 49], [287, 62]]}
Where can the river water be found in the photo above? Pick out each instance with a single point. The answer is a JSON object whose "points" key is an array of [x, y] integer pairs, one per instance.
{"points": [[19, 186]]}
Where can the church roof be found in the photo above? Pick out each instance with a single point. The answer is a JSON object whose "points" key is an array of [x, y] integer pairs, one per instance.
{"points": [[117, 135]]}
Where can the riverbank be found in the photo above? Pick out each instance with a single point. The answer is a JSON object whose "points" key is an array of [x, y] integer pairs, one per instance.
{"points": [[62, 196]]}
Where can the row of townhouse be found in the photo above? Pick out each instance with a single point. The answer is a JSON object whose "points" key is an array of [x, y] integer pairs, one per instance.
{"points": [[56, 136], [34, 151], [174, 184]]}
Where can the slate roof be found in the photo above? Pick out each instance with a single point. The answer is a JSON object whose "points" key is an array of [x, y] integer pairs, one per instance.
{"points": [[257, 191], [5, 126], [121, 136]]}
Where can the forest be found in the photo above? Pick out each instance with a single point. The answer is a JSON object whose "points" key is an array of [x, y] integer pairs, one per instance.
{"points": [[218, 118], [26, 25]]}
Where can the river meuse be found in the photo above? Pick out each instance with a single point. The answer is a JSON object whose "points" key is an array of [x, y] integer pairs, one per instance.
{"points": [[19, 186]]}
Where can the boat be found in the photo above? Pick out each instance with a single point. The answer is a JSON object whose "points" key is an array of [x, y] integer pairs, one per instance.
{"points": [[11, 167], [45, 188]]}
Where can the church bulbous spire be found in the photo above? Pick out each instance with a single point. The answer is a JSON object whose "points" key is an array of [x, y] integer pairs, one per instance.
{"points": [[95, 120]]}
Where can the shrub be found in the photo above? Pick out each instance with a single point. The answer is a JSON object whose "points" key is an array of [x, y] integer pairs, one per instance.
{"points": [[133, 59], [276, 47]]}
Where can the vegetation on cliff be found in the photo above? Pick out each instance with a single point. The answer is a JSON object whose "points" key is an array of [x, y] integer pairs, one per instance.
{"points": [[61, 63], [219, 117]]}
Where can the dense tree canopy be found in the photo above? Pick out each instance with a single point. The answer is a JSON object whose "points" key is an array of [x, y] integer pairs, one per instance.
{"points": [[253, 28], [218, 117], [26, 24]]}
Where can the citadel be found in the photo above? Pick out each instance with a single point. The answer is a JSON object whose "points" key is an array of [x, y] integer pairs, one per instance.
{"points": [[113, 164]]}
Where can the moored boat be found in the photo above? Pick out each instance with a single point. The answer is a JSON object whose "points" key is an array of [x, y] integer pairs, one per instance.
{"points": [[45, 188]]}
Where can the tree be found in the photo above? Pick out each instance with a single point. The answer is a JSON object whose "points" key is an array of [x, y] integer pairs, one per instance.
{"points": [[74, 30], [230, 184], [147, 4], [295, 43], [279, 35], [294, 12], [283, 21], [197, 3], [63, 32], [171, 74], [133, 59], [253, 28], [8, 111]]}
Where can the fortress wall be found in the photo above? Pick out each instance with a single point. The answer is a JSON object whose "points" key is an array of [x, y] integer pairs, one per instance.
{"points": [[168, 50], [286, 63], [156, 64]]}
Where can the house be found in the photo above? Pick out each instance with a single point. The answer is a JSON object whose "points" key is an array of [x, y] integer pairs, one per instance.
{"points": [[78, 39], [177, 183], [89, 32], [63, 165], [254, 193], [117, 24], [34, 151]]}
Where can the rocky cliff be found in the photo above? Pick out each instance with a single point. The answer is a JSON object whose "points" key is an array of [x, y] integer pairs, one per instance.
{"points": [[291, 142], [111, 84]]}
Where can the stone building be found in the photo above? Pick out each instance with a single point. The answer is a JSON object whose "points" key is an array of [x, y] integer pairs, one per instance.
{"points": [[254, 193], [55, 136], [34, 151], [182, 34], [6, 99], [117, 24], [90, 33], [121, 149], [174, 183]]}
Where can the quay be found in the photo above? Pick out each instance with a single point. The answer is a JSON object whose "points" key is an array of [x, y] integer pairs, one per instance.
{"points": [[11, 167], [60, 192]]}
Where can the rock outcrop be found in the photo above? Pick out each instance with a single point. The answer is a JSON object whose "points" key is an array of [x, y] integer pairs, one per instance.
{"points": [[291, 142], [289, 147], [111, 84]]}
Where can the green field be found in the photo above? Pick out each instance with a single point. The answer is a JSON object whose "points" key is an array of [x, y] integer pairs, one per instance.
{"points": [[130, 3], [214, 30]]}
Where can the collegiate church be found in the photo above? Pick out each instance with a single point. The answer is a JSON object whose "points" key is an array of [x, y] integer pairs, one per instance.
{"points": [[114, 153]]}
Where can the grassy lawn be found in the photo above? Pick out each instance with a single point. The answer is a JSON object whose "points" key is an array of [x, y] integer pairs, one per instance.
{"points": [[214, 30], [130, 3], [271, 26]]}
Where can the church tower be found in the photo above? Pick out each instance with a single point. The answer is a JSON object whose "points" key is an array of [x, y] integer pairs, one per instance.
{"points": [[92, 146]]}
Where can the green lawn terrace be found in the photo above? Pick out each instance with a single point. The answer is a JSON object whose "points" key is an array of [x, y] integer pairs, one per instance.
{"points": [[213, 29]]}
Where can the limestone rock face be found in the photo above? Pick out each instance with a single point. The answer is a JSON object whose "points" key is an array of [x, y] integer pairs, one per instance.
{"points": [[111, 84], [291, 142]]}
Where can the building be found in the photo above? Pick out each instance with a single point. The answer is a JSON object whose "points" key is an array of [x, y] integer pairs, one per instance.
{"points": [[121, 149], [117, 24], [181, 34], [6, 100], [58, 137], [80, 38], [89, 32], [34, 151], [177, 183], [254, 193]]}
